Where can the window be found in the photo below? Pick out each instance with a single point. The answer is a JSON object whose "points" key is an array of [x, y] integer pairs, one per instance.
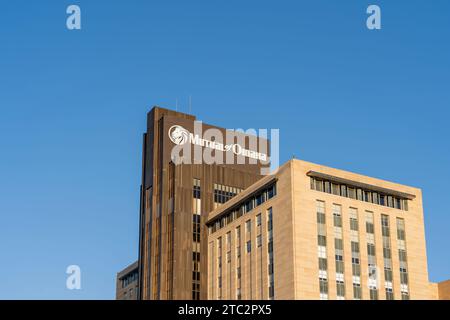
{"points": [[323, 287], [259, 241], [249, 206], [343, 190], [219, 244], [322, 254], [340, 287], [323, 264], [321, 217], [269, 224], [390, 201], [258, 220], [270, 259], [322, 241], [319, 185], [401, 229], [238, 294], [359, 194], [196, 189], [196, 276], [327, 187], [357, 295], [249, 246], [335, 189], [367, 196], [403, 257], [351, 192], [338, 244], [272, 191], [387, 255], [354, 224], [337, 220], [259, 199], [388, 275], [370, 249], [375, 198], [339, 265], [196, 236], [403, 276], [355, 246], [389, 294], [271, 292], [369, 223], [248, 226], [356, 268], [373, 294]]}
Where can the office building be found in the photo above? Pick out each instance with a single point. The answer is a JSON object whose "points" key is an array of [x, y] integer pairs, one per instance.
{"points": [[127, 283], [312, 232], [176, 199], [212, 230]]}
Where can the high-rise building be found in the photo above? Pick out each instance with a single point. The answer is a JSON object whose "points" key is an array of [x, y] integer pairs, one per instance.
{"points": [[176, 198], [223, 230], [127, 283], [314, 232]]}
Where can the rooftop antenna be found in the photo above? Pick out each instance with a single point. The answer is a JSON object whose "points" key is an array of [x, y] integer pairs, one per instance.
{"points": [[190, 104]]}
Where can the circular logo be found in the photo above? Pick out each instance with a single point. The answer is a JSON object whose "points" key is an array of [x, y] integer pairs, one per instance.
{"points": [[178, 135]]}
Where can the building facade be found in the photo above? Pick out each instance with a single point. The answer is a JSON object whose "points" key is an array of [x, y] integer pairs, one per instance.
{"points": [[127, 283], [176, 199], [312, 232], [443, 289]]}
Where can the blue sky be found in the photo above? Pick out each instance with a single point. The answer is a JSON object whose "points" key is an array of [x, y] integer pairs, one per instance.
{"points": [[73, 108]]}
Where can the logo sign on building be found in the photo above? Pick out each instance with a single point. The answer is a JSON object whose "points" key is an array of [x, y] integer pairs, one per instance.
{"points": [[210, 145], [178, 135], [181, 136]]}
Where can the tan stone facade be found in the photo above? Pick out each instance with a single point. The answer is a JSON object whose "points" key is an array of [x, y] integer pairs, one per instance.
{"points": [[370, 239]]}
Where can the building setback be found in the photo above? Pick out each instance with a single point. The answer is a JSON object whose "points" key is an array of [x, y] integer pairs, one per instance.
{"points": [[175, 202], [313, 232]]}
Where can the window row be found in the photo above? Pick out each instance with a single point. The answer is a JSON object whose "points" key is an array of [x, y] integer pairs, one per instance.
{"points": [[130, 278], [247, 206], [224, 193], [356, 193]]}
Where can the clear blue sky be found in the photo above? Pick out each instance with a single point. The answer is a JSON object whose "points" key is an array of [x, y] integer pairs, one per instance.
{"points": [[73, 108]]}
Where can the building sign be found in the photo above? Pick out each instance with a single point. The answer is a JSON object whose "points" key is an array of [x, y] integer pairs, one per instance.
{"points": [[180, 136]]}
